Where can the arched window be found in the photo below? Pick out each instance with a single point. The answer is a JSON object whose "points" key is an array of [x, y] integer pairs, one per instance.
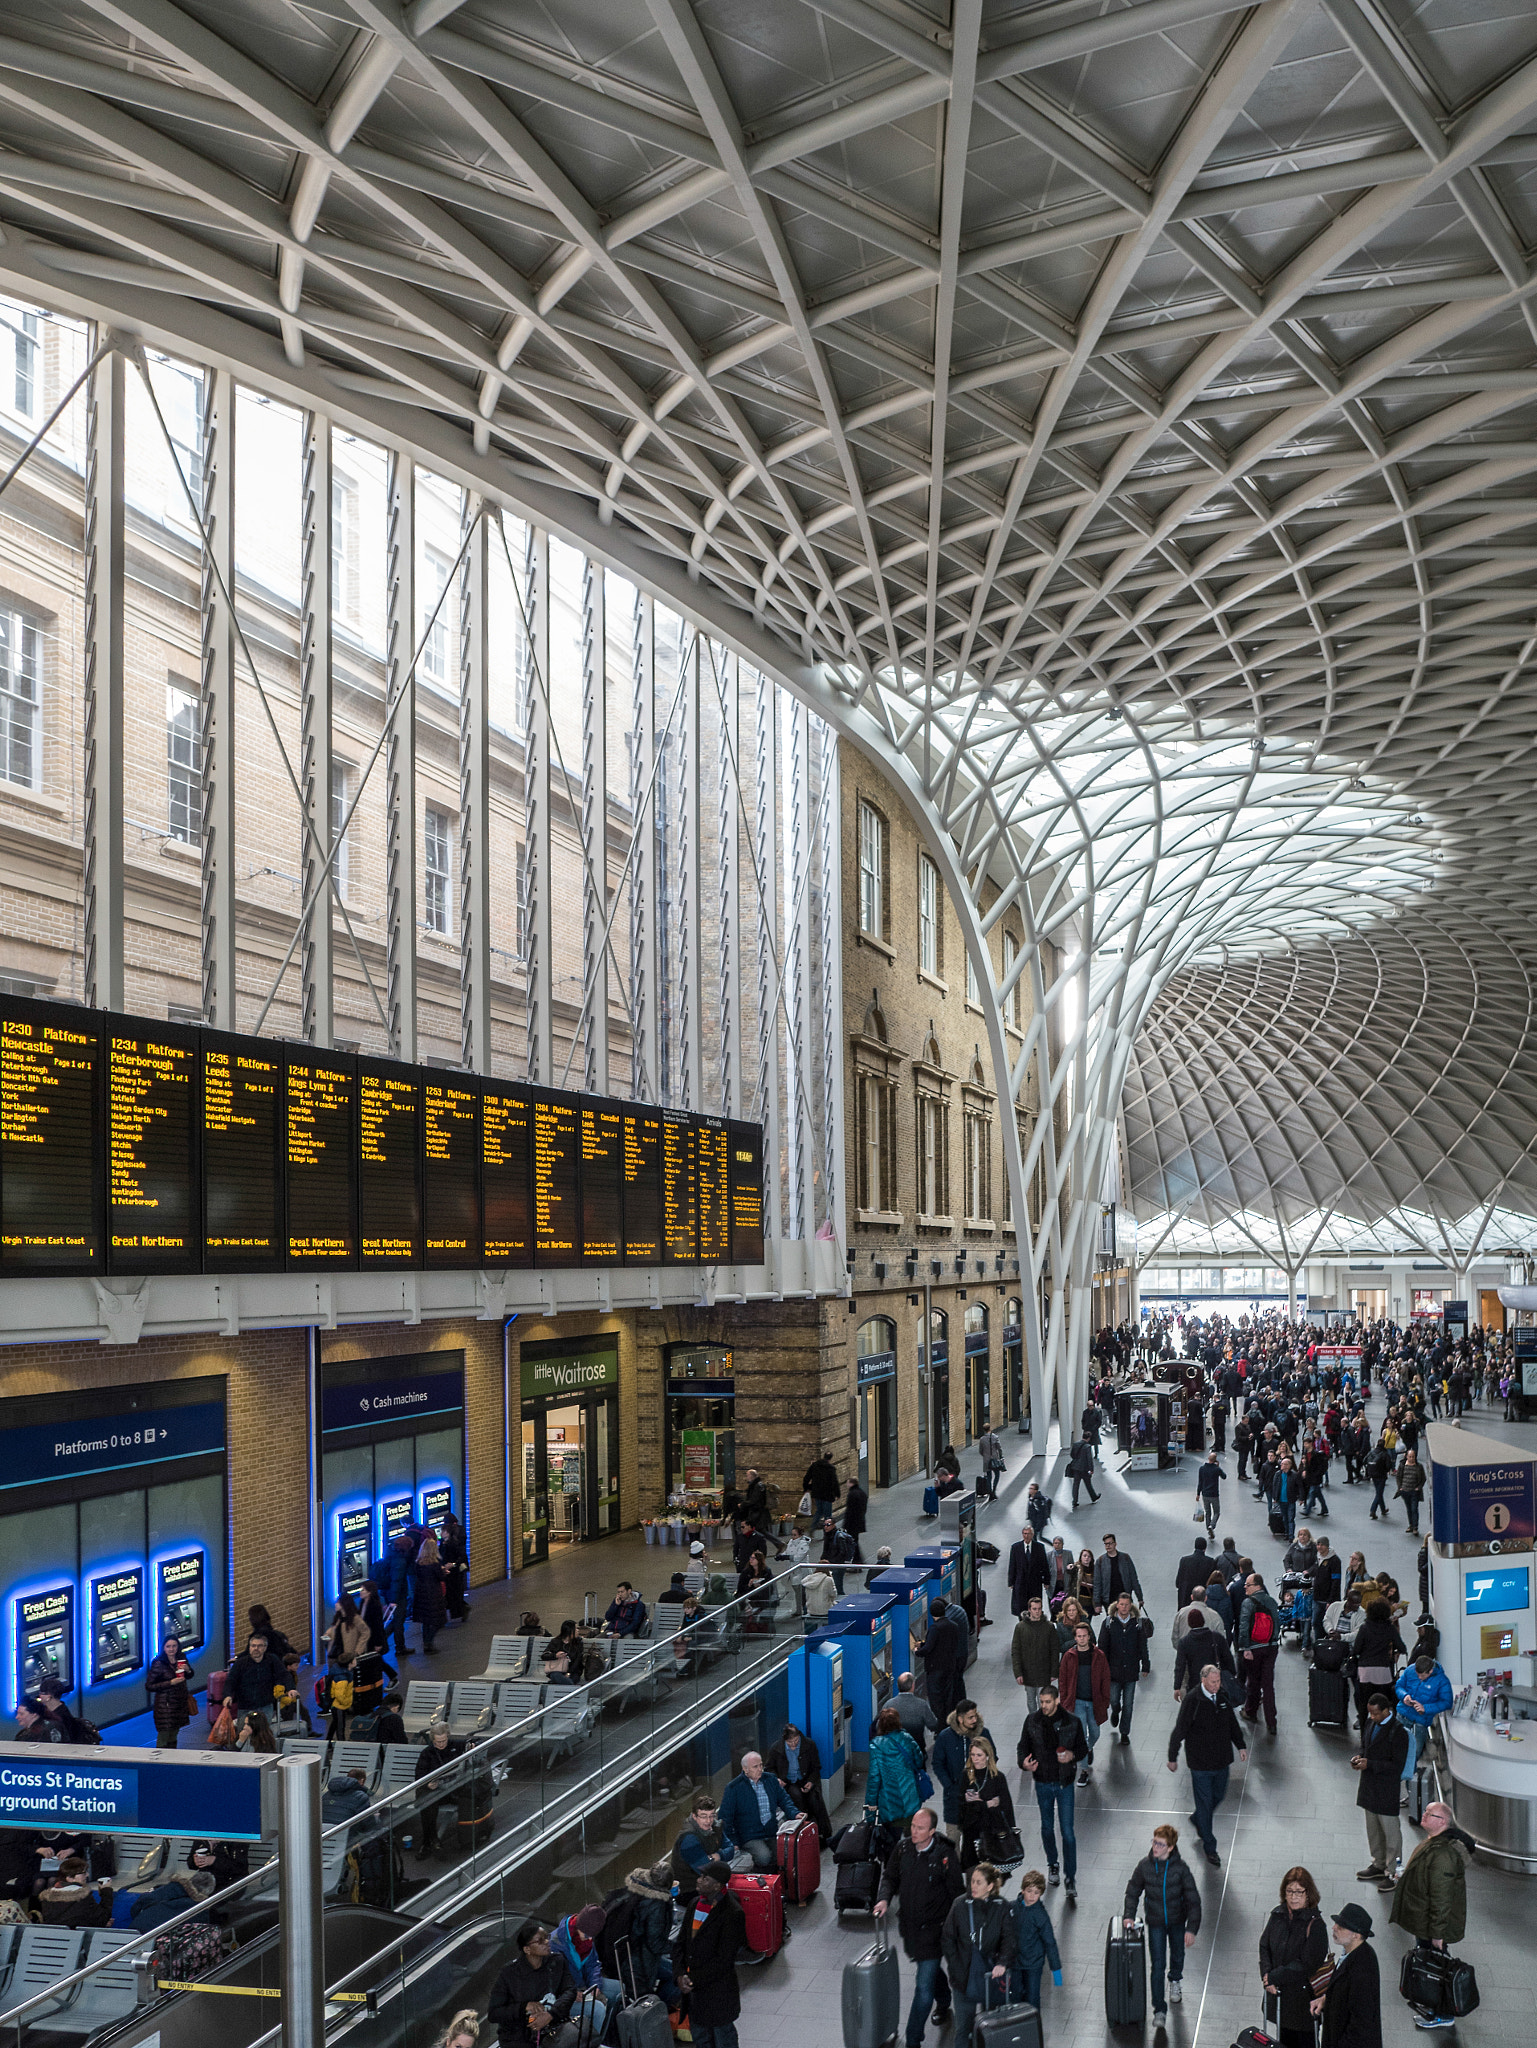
{"points": [[876, 1337], [976, 1319]]}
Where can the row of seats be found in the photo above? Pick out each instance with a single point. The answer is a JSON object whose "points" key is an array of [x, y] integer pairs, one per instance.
{"points": [[33, 1959]]}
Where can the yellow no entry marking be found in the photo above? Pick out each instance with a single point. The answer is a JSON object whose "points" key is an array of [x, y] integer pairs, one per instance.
{"points": [[255, 1991]]}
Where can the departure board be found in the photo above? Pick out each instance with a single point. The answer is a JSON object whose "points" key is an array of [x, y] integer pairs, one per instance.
{"points": [[152, 1132], [52, 1155], [557, 1179], [450, 1171], [745, 1164], [506, 1174], [320, 1124], [389, 1164], [712, 1190], [602, 1183], [679, 1220], [642, 1185], [242, 1155]]}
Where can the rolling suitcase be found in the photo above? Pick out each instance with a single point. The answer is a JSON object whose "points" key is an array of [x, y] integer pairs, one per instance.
{"points": [[1007, 2026], [1125, 1974], [761, 1896], [930, 1501], [799, 1849], [1328, 1698], [872, 1996], [1439, 1984], [856, 1887], [1278, 1521], [641, 2022], [856, 1842], [1419, 1794]]}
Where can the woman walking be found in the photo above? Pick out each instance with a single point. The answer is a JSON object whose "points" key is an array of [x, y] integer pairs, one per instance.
{"points": [[428, 1597], [987, 1811], [978, 1949], [1292, 1950]]}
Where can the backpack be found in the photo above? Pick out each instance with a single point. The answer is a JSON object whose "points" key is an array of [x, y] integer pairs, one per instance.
{"points": [[619, 1917], [1261, 1628]]}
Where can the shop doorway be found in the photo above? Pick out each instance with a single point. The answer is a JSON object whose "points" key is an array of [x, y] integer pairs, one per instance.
{"points": [[570, 1445], [979, 1405], [1014, 1360], [876, 1348], [939, 1381]]}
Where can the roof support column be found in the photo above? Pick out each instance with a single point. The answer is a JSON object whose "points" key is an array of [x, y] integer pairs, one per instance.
{"points": [[103, 876], [595, 826], [830, 875], [217, 708], [400, 761], [316, 952], [797, 974], [474, 794], [763, 1103], [729, 883], [644, 1069], [691, 1077], [538, 879]]}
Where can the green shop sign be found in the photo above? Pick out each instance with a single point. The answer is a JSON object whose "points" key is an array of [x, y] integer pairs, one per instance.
{"points": [[569, 1372]]}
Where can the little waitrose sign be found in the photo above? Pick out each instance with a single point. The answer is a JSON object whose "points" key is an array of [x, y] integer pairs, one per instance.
{"points": [[579, 1372]]}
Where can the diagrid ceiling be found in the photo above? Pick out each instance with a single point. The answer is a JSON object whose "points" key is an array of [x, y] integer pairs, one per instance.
{"points": [[1160, 375]]}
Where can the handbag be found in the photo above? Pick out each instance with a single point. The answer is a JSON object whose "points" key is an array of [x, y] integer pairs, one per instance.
{"points": [[222, 1734], [805, 1506], [1003, 1848], [1199, 1515], [925, 1788]]}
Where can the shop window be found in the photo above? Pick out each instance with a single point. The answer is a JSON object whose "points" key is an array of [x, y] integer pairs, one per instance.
{"points": [[874, 864], [931, 932], [701, 1422], [21, 699], [184, 765], [437, 868]]}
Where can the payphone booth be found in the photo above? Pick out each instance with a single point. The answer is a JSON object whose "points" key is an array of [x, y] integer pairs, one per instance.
{"points": [[1144, 1418], [911, 1593], [867, 1681], [816, 1704], [352, 1543]]}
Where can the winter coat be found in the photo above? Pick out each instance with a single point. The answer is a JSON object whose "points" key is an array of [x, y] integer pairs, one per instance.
{"points": [[821, 1481], [344, 1799], [1378, 1646], [1034, 1652], [981, 1819], [1198, 1648], [944, 1659], [1035, 1939], [891, 1786], [1431, 1696], [170, 1699], [429, 1605], [392, 1575], [1099, 1682], [927, 1882], [1190, 1576], [520, 1986], [347, 1640], [1169, 1888], [755, 1506], [1292, 1950], [586, 1969], [977, 1927], [1104, 1595], [1386, 1749], [739, 1814], [1208, 1730], [252, 1684], [856, 1506], [1215, 1598], [694, 1849], [949, 1764], [81, 1905], [707, 1956], [916, 1716], [1431, 1898], [1352, 2016], [1208, 1480], [1411, 1482], [1125, 1648], [1042, 1738], [1258, 1603]]}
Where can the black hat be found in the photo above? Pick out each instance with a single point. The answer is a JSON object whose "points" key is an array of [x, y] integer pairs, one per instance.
{"points": [[1355, 1918]]}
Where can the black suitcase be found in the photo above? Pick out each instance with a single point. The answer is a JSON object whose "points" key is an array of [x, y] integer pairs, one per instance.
{"points": [[1329, 1653], [1278, 1521], [856, 1886], [1010, 2026], [1437, 1983], [1125, 1974], [856, 1842], [1328, 1698]]}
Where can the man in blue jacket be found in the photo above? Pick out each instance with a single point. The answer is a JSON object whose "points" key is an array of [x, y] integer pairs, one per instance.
{"points": [[752, 1807], [1423, 1691], [392, 1576]]}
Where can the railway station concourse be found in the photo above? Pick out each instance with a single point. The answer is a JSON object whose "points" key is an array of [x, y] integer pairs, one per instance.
{"points": [[734, 739]]}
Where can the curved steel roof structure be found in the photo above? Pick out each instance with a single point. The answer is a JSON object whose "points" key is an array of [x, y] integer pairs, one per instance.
{"points": [[1118, 417]]}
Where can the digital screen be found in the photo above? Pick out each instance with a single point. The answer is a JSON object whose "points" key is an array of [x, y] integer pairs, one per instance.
{"points": [[117, 1625], [152, 1189], [389, 1147], [745, 1165], [642, 1186], [395, 1519], [354, 1548], [602, 1183], [321, 1158], [50, 1141], [557, 1179], [451, 1173], [44, 1624], [506, 1175], [179, 1601], [712, 1181], [679, 1227], [1505, 1589], [242, 1156], [437, 1505]]}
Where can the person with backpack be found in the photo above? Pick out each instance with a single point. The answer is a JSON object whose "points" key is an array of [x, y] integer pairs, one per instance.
{"points": [[1172, 1908], [1259, 1644], [633, 1947]]}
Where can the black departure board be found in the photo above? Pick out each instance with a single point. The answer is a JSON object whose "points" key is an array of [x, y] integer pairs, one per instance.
{"points": [[642, 1184], [389, 1164], [322, 1148], [52, 1153], [153, 1223], [745, 1166], [133, 1146], [712, 1194], [679, 1216], [602, 1183], [450, 1170], [557, 1179], [507, 1175]]}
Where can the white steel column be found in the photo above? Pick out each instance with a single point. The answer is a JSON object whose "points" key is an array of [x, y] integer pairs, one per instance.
{"points": [[644, 1066], [400, 761], [797, 969], [103, 767], [217, 708], [595, 825], [690, 1090], [729, 877], [764, 1103], [474, 796], [830, 876], [538, 879], [316, 953]]}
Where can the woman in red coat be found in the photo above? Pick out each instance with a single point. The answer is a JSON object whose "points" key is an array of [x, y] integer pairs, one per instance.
{"points": [[1084, 1679]]}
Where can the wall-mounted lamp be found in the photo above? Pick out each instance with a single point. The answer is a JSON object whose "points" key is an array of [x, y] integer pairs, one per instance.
{"points": [[960, 1262], [912, 1265], [880, 1269], [935, 1268], [849, 1261]]}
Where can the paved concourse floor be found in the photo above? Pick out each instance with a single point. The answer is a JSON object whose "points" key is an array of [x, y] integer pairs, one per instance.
{"points": [[1293, 1803]]}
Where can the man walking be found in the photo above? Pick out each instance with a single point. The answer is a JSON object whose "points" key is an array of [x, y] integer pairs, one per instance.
{"points": [[1207, 1480], [925, 1872], [1191, 1574], [1124, 1643], [1114, 1574], [1173, 1909], [1080, 1469], [944, 1659], [1208, 1730], [1034, 1652], [1051, 1744], [1259, 1644], [1028, 1569], [1380, 1762]]}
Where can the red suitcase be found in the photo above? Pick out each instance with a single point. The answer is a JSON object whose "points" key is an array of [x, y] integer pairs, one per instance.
{"points": [[799, 1848], [762, 1900], [215, 1695]]}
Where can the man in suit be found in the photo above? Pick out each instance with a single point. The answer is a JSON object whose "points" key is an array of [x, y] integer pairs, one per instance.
{"points": [[1027, 1570], [1351, 2008], [1191, 1574]]}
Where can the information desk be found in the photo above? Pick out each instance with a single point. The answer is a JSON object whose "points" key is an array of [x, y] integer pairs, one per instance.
{"points": [[1493, 1791], [102, 1791]]}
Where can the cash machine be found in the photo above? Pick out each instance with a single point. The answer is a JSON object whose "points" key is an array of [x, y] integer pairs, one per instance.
{"points": [[866, 1619], [816, 1703], [911, 1592]]}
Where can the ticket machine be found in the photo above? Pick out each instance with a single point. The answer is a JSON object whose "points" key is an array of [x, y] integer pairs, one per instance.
{"points": [[816, 1703], [867, 1681], [949, 1563], [911, 1591]]}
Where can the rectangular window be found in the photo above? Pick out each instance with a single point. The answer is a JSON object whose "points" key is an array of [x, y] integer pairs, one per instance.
{"points": [[435, 569], [344, 552], [184, 765], [437, 869], [341, 786], [21, 699], [929, 951], [978, 1169], [1011, 1000], [933, 1160], [876, 1143], [872, 871], [520, 885], [973, 993], [28, 329]]}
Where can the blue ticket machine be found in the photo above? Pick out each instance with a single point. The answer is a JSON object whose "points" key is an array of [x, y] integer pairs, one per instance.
{"points": [[912, 1592], [945, 1562], [816, 1703], [867, 1679]]}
